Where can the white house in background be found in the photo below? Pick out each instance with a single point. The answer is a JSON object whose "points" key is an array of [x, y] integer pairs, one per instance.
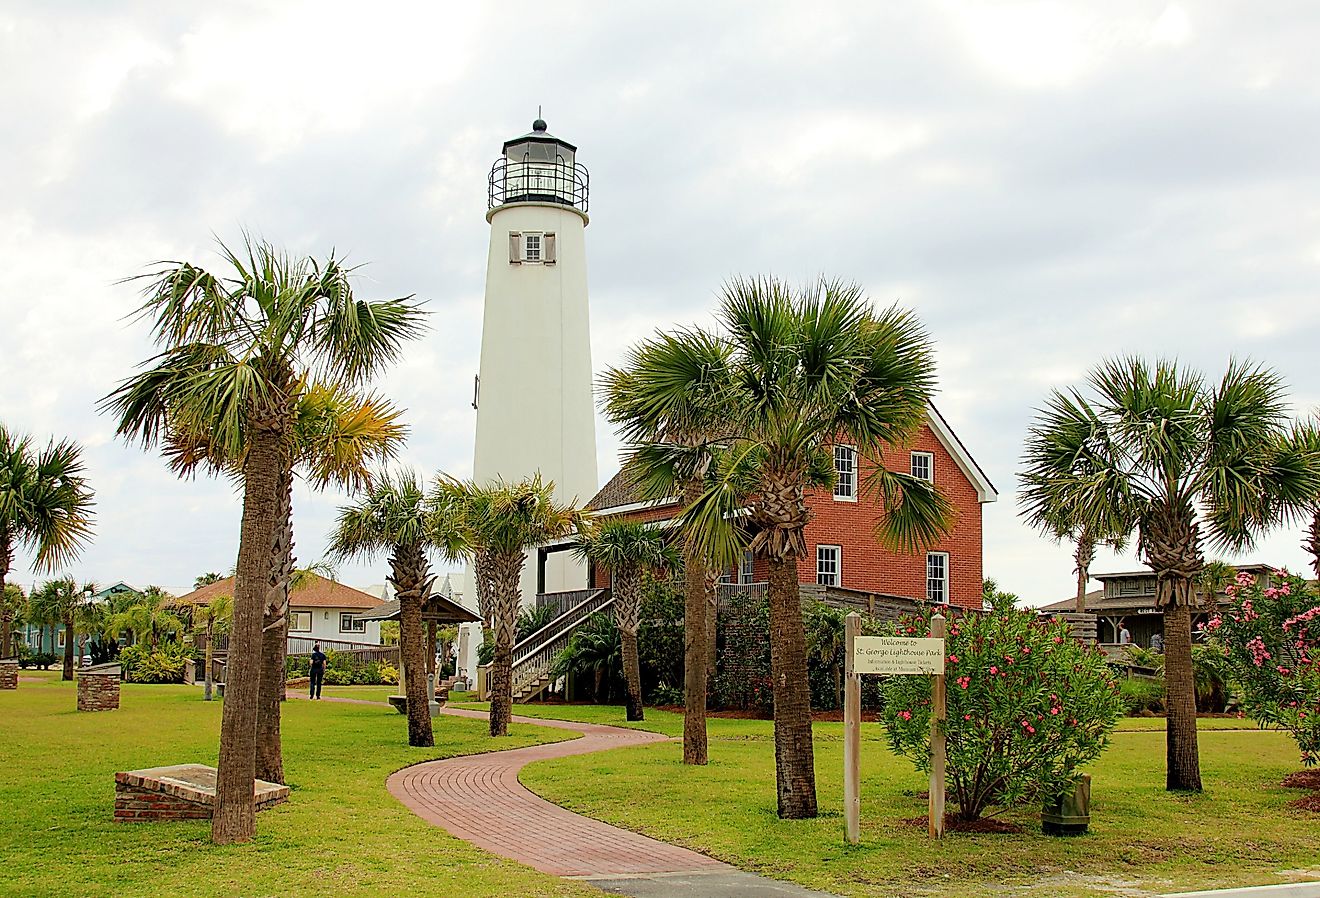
{"points": [[322, 610]]}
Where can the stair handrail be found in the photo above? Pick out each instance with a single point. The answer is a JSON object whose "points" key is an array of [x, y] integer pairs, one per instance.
{"points": [[536, 663], [522, 647]]}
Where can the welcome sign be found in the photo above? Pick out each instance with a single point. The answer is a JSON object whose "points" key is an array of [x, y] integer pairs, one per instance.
{"points": [[888, 655]]}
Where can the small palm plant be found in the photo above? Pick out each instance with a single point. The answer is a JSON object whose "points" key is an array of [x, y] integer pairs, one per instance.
{"points": [[395, 516], [13, 609], [209, 621], [61, 601], [151, 617], [630, 551], [45, 507], [501, 521]]}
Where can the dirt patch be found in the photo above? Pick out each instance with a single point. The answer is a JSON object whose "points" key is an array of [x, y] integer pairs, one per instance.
{"points": [[1303, 779], [31, 680], [953, 825], [1307, 803]]}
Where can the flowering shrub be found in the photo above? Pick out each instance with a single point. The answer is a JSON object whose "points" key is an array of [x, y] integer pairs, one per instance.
{"points": [[1027, 707], [1269, 638]]}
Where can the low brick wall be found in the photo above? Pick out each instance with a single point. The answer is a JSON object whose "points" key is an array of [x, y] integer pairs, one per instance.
{"points": [[182, 792], [8, 674], [98, 692], [133, 804]]}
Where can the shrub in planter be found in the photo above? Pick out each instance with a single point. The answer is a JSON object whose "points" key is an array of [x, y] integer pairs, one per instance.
{"points": [[1028, 707], [163, 664], [1270, 640]]}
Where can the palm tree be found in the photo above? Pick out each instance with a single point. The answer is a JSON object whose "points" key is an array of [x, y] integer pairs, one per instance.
{"points": [[1156, 450], [337, 435], [1305, 439], [804, 371], [672, 393], [45, 507], [61, 601], [207, 579], [151, 617], [13, 609], [631, 551], [501, 521], [210, 621], [235, 354], [395, 515]]}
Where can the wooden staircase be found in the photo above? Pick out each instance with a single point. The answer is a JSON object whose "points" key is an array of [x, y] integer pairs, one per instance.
{"points": [[535, 655]]}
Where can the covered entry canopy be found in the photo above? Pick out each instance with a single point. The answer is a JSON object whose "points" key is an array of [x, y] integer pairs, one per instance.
{"points": [[437, 608]]}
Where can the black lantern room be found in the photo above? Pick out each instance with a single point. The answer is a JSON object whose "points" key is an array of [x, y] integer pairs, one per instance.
{"points": [[538, 168]]}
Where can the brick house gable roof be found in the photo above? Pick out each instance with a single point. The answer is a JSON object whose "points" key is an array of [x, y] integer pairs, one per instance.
{"points": [[320, 593], [623, 490]]}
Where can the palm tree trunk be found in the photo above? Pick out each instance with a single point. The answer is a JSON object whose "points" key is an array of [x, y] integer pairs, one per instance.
{"points": [[1183, 767], [712, 626], [275, 637], [795, 766], [430, 648], [68, 650], [1311, 545], [695, 745], [506, 570], [234, 819], [210, 650], [410, 574], [632, 674], [1083, 557], [7, 649]]}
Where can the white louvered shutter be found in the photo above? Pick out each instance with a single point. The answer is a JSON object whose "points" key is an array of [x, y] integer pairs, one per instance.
{"points": [[548, 249], [515, 247]]}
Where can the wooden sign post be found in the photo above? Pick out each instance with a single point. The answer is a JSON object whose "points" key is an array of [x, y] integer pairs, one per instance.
{"points": [[893, 656]]}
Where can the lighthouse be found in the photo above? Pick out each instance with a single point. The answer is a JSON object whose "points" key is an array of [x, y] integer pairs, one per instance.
{"points": [[533, 393]]}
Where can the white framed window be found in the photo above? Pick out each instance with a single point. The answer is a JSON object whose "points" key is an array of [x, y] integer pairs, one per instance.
{"points": [[531, 247], [35, 639], [300, 621], [746, 567], [845, 473], [923, 465], [937, 577], [349, 623], [829, 565], [60, 640]]}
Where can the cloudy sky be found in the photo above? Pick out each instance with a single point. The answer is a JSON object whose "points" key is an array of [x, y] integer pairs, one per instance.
{"points": [[1045, 184]]}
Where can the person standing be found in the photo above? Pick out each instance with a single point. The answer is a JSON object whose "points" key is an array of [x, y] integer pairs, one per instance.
{"points": [[1157, 643], [318, 670], [1124, 637]]}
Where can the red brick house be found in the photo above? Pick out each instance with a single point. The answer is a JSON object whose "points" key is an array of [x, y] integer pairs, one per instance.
{"points": [[842, 551]]}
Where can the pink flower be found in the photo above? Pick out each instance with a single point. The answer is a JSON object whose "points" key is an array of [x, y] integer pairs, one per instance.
{"points": [[967, 717], [1230, 591], [906, 715], [953, 659], [1008, 658], [1245, 579], [1054, 710], [1058, 639], [1026, 650], [993, 669], [1285, 589], [964, 682]]}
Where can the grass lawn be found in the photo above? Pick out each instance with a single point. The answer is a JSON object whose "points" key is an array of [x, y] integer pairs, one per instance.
{"points": [[341, 833], [1143, 840]]}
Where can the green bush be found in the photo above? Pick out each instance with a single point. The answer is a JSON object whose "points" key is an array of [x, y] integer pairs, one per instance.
{"points": [[164, 664], [1141, 695], [1028, 708], [338, 677], [664, 694]]}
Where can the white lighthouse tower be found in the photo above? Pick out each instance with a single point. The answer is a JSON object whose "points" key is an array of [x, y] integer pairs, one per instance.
{"points": [[533, 396]]}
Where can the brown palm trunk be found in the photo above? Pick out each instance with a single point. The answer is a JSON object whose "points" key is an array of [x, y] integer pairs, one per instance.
{"points": [[234, 819], [7, 648], [632, 674], [505, 572], [695, 744], [275, 637], [68, 650], [430, 648], [207, 682], [712, 626], [1183, 758], [795, 766], [410, 574], [1311, 545], [1083, 557]]}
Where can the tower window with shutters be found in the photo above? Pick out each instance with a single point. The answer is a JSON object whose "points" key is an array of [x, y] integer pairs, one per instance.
{"points": [[531, 247]]}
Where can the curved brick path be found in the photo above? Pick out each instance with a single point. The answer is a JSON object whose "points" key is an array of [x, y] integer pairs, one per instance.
{"points": [[479, 798]]}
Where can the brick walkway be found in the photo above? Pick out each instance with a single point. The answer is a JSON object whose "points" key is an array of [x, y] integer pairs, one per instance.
{"points": [[479, 798]]}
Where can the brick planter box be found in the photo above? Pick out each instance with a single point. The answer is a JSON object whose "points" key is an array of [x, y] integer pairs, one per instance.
{"points": [[8, 674], [179, 792], [98, 687]]}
